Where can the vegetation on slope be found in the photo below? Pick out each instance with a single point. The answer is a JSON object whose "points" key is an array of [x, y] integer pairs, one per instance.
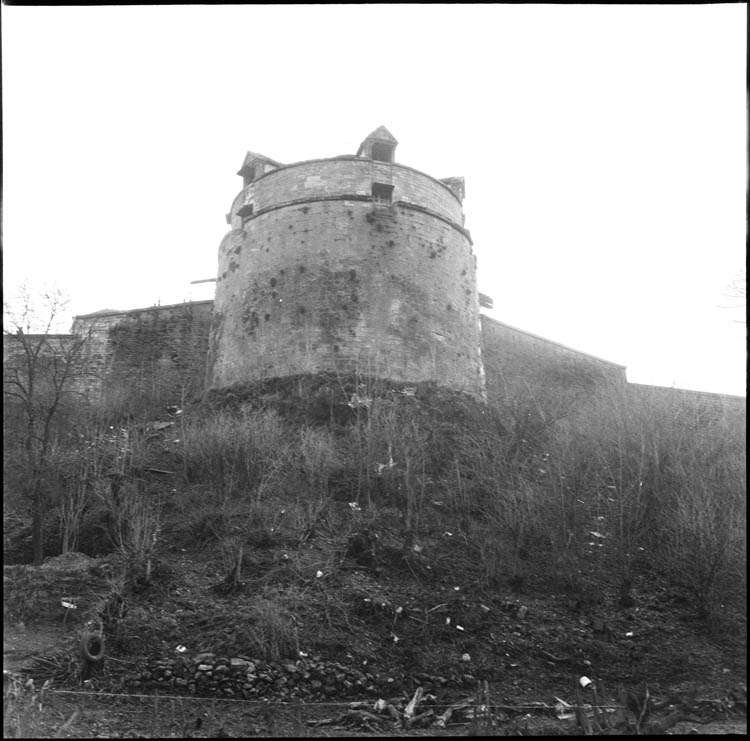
{"points": [[402, 528]]}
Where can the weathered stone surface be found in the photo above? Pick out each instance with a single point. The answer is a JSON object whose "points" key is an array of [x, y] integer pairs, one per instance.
{"points": [[164, 342]]}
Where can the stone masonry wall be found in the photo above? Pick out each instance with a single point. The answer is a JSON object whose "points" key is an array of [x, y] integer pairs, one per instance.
{"points": [[342, 177], [516, 360], [512, 358], [704, 407], [159, 350]]}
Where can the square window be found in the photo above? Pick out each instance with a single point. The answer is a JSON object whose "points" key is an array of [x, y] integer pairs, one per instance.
{"points": [[382, 152], [246, 211], [382, 192]]}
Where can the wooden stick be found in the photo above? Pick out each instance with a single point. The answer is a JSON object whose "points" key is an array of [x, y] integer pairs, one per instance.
{"points": [[418, 719], [581, 717], [68, 723], [443, 718]]}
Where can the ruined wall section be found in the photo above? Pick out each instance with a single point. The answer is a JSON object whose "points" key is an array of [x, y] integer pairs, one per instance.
{"points": [[317, 274], [158, 352]]}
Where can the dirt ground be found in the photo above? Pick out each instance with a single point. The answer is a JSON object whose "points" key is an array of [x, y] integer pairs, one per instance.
{"points": [[90, 715], [532, 647]]}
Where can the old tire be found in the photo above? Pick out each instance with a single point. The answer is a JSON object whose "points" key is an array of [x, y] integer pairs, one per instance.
{"points": [[92, 647]]}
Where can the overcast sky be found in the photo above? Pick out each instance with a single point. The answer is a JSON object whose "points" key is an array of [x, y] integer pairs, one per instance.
{"points": [[604, 150]]}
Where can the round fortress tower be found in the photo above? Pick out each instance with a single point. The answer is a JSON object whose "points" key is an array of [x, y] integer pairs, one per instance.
{"points": [[349, 264]]}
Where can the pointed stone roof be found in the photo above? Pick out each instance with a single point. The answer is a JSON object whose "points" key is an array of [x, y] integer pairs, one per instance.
{"points": [[382, 134], [251, 157]]}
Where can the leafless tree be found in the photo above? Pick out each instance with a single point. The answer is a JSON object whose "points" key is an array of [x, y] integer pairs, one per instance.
{"points": [[38, 371], [736, 292]]}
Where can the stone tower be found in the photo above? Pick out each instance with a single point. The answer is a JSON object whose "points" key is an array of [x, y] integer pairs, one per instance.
{"points": [[355, 263]]}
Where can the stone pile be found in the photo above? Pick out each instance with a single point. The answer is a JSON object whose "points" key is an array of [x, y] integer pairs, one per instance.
{"points": [[302, 679]]}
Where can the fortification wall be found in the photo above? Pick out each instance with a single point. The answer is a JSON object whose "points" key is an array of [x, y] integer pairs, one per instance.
{"points": [[322, 276], [164, 348], [703, 406], [350, 264], [516, 360], [161, 349]]}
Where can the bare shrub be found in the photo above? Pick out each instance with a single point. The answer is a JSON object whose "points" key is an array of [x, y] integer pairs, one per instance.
{"points": [[569, 488], [83, 456], [318, 460], [271, 630], [506, 504], [97, 467], [704, 537], [136, 520], [518, 479], [502, 535], [366, 442], [655, 479], [390, 451], [75, 497], [244, 460], [705, 547], [622, 439], [236, 452]]}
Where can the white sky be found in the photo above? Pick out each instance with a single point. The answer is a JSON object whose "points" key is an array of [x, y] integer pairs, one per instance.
{"points": [[604, 150]]}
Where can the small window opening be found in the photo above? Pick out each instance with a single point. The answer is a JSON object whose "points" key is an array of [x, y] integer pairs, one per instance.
{"points": [[382, 192], [246, 211], [248, 176], [382, 152]]}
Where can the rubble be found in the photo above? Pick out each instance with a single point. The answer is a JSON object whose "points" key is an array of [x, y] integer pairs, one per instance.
{"points": [[304, 679]]}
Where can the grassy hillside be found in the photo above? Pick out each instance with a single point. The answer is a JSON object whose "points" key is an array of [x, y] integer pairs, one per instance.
{"points": [[391, 536]]}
